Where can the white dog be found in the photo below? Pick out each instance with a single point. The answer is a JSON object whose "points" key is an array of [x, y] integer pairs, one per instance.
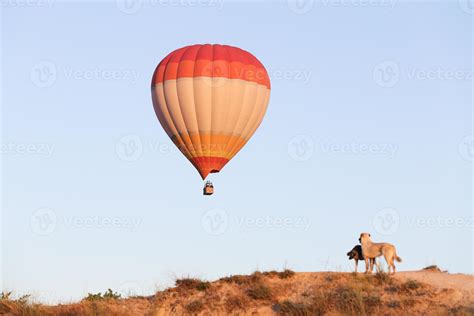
{"points": [[371, 250]]}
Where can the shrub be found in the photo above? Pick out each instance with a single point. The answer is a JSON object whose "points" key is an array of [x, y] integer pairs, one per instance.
{"points": [[109, 294], [5, 295], [409, 302], [259, 292], [191, 284], [329, 278], [194, 307], [433, 268], [372, 301], [244, 279], [411, 285], [19, 306], [290, 308], [349, 301], [319, 305], [392, 289], [383, 278], [237, 279], [235, 302], [202, 286], [285, 274], [393, 304], [93, 297]]}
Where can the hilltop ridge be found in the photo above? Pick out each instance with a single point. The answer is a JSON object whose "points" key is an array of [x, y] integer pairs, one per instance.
{"points": [[424, 292]]}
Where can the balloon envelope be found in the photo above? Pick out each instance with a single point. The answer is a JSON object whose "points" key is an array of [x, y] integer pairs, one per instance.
{"points": [[210, 99]]}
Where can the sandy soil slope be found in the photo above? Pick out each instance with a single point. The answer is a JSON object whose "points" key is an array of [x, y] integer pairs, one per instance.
{"points": [[425, 292]]}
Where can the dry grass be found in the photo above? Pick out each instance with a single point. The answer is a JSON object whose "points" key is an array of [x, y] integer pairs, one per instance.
{"points": [[411, 285], [235, 302], [108, 295], [433, 268], [259, 291], [192, 284], [283, 293], [285, 274], [349, 300], [194, 307], [290, 308], [243, 279]]}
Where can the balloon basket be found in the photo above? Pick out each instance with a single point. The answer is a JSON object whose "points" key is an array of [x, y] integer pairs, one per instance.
{"points": [[208, 188]]}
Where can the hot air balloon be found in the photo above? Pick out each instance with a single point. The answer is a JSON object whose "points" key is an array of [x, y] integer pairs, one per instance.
{"points": [[210, 99]]}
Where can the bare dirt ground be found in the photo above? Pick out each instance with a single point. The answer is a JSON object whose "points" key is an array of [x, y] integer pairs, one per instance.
{"points": [[425, 292], [460, 285]]}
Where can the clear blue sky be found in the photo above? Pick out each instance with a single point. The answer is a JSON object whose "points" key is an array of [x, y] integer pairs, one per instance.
{"points": [[369, 128]]}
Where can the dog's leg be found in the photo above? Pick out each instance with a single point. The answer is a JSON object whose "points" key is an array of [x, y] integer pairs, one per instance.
{"points": [[389, 263], [356, 264], [367, 265], [377, 267], [392, 264]]}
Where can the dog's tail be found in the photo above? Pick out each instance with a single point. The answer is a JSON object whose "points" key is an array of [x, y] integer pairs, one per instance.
{"points": [[398, 258]]}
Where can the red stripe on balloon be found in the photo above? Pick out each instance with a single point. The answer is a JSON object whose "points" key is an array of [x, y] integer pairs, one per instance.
{"points": [[208, 164], [211, 61]]}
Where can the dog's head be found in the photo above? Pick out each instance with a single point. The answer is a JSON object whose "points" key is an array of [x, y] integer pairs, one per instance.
{"points": [[364, 237], [352, 254], [355, 253]]}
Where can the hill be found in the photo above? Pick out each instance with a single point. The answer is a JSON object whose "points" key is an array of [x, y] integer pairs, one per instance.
{"points": [[425, 292]]}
